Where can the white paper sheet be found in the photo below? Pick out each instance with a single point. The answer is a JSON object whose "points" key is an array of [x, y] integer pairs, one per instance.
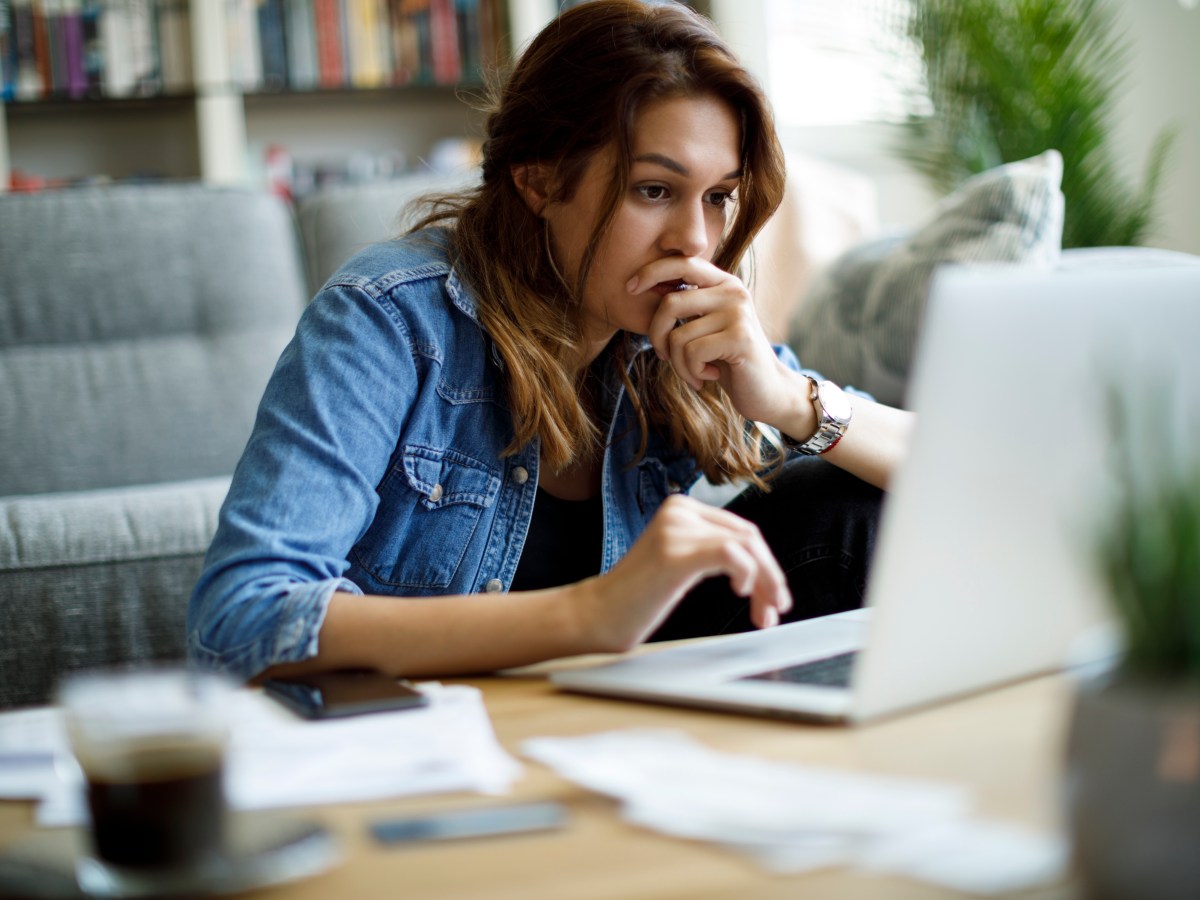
{"points": [[276, 759], [793, 818], [31, 741]]}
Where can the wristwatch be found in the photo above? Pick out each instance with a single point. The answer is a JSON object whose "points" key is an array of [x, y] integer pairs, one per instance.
{"points": [[833, 418]]}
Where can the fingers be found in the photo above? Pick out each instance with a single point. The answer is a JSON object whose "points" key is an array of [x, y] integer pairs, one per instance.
{"points": [[688, 269], [683, 306], [726, 544], [705, 323], [697, 348], [763, 582], [694, 296], [686, 542], [696, 330]]}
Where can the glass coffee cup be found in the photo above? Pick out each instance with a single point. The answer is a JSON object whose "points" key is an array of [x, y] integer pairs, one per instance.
{"points": [[151, 745]]}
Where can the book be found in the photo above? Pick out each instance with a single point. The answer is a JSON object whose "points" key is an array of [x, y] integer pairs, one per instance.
{"points": [[443, 24], [299, 18], [41, 49], [8, 53], [143, 46], [405, 49], [272, 43], [116, 39], [29, 85], [174, 32], [493, 27], [416, 16], [71, 39], [369, 67], [245, 48], [381, 35], [93, 48], [343, 13], [466, 14], [327, 19]]}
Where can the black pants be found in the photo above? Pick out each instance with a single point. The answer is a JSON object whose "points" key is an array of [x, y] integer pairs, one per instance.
{"points": [[820, 522]]}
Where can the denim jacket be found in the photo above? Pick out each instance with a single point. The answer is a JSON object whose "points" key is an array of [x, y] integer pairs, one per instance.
{"points": [[375, 465]]}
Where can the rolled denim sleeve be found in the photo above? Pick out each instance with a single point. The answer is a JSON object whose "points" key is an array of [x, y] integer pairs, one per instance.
{"points": [[279, 625], [304, 491]]}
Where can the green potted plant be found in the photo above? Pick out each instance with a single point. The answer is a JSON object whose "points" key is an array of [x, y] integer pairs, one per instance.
{"points": [[1008, 79], [1133, 754]]}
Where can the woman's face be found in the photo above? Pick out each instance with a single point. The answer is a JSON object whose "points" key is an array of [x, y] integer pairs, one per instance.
{"points": [[686, 166]]}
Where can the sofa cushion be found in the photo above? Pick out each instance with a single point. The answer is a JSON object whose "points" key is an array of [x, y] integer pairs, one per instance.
{"points": [[97, 578], [338, 221], [135, 345], [859, 324]]}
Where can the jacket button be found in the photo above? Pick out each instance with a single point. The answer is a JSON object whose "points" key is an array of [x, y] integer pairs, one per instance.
{"points": [[520, 475], [494, 586], [436, 494]]}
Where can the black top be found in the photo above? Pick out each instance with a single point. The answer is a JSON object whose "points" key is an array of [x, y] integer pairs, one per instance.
{"points": [[563, 545]]}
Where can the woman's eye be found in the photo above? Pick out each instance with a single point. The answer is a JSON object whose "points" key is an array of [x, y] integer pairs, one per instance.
{"points": [[720, 198], [652, 191]]}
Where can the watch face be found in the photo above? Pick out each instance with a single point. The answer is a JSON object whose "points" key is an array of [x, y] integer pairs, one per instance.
{"points": [[834, 400]]}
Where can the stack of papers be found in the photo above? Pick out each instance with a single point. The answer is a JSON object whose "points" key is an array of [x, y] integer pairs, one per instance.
{"points": [[793, 818], [278, 760]]}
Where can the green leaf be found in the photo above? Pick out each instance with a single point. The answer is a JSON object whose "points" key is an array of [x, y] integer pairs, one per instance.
{"points": [[1008, 79]]}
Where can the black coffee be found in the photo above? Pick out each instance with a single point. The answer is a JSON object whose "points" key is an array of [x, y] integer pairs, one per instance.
{"points": [[161, 806]]}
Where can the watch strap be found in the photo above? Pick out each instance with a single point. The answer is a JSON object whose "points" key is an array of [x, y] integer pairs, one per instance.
{"points": [[830, 428]]}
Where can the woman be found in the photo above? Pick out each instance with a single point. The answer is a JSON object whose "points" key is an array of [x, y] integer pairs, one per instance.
{"points": [[496, 416]]}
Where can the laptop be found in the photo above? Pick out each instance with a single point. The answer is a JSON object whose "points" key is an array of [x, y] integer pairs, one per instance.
{"points": [[982, 572]]}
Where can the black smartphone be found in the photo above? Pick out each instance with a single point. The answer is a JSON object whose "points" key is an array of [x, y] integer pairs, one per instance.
{"points": [[332, 695]]}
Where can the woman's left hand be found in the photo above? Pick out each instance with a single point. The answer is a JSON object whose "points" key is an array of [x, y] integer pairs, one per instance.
{"points": [[712, 333]]}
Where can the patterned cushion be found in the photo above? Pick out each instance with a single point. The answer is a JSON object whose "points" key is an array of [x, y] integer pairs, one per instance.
{"points": [[859, 324]]}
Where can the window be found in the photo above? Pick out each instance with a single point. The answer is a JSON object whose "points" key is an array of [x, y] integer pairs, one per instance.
{"points": [[840, 62]]}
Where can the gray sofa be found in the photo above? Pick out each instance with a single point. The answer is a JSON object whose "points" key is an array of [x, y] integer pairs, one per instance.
{"points": [[138, 327]]}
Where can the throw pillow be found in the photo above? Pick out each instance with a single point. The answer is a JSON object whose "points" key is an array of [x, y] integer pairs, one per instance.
{"points": [[860, 322]]}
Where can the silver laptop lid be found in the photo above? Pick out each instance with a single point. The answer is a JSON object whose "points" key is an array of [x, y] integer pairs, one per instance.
{"points": [[983, 572]]}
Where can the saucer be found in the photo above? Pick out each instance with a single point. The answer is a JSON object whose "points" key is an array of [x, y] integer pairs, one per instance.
{"points": [[262, 849]]}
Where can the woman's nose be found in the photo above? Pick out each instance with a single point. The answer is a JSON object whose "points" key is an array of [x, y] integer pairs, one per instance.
{"points": [[686, 231]]}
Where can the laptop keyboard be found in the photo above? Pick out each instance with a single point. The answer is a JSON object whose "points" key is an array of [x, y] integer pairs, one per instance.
{"points": [[832, 671]]}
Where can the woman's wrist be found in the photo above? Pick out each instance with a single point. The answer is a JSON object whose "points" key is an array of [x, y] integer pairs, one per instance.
{"points": [[798, 417], [585, 627]]}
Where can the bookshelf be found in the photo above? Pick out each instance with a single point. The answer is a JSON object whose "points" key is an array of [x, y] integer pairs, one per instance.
{"points": [[217, 121]]}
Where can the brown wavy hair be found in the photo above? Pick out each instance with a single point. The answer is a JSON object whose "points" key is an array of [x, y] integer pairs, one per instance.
{"points": [[576, 90]]}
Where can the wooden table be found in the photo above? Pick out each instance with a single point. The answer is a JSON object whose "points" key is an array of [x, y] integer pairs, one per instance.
{"points": [[1006, 745]]}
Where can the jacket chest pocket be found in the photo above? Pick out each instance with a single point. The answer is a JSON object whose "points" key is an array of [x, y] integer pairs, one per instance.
{"points": [[431, 504], [658, 480]]}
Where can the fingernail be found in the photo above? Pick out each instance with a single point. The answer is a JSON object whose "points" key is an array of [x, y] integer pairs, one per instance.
{"points": [[631, 284], [770, 617]]}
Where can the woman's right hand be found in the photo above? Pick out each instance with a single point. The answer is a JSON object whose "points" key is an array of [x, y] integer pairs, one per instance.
{"points": [[685, 542]]}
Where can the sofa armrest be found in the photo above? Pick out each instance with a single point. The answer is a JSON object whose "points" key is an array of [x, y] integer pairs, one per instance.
{"points": [[98, 578]]}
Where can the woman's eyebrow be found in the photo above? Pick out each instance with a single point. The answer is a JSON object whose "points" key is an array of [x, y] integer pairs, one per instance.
{"points": [[677, 167]]}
